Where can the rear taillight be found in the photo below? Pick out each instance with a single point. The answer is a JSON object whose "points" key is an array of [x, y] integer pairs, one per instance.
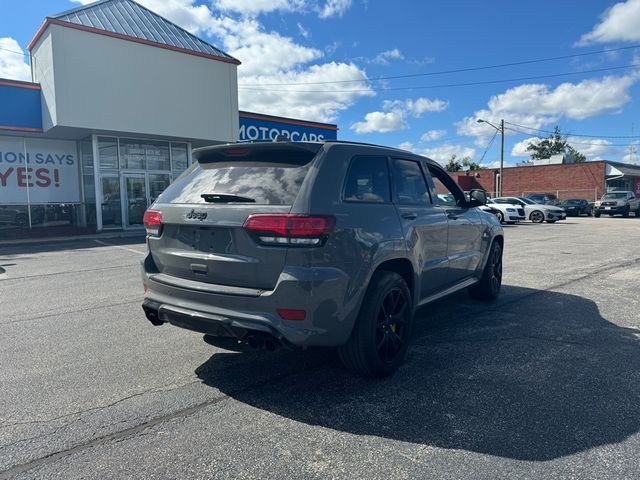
{"points": [[152, 222], [290, 230]]}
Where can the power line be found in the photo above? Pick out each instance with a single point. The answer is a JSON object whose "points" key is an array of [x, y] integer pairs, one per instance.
{"points": [[13, 51], [569, 134], [443, 72], [446, 85], [576, 143], [495, 134]]}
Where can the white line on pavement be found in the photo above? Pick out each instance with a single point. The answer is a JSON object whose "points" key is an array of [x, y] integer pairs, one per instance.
{"points": [[107, 244]]}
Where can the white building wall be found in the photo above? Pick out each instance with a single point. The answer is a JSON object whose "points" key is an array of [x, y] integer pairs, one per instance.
{"points": [[42, 72], [110, 84]]}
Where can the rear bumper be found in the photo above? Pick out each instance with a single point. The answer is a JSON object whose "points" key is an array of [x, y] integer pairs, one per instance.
{"points": [[322, 292]]}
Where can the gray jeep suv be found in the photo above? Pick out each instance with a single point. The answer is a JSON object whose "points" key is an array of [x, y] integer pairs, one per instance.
{"points": [[315, 244]]}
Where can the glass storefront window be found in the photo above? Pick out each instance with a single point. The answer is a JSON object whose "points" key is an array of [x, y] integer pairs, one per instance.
{"points": [[108, 152], [157, 184], [179, 157], [111, 206], [86, 155], [144, 155]]}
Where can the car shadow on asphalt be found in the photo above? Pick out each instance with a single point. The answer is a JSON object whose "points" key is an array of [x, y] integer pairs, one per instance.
{"points": [[537, 376]]}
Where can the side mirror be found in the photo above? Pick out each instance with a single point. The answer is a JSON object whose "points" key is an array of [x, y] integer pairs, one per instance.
{"points": [[478, 197]]}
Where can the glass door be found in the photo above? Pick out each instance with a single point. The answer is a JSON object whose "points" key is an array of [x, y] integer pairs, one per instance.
{"points": [[111, 205], [135, 199]]}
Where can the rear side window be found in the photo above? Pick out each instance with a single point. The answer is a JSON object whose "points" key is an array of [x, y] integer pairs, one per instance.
{"points": [[409, 184], [272, 177], [367, 180]]}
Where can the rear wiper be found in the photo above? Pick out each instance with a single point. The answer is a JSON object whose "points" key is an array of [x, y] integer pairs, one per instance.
{"points": [[225, 198]]}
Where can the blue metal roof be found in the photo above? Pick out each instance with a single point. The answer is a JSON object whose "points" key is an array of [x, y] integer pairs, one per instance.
{"points": [[126, 17]]}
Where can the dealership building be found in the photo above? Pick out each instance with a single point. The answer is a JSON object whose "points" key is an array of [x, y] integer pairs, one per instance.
{"points": [[119, 97]]}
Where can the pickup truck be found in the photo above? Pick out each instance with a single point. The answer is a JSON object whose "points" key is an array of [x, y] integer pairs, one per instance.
{"points": [[617, 203]]}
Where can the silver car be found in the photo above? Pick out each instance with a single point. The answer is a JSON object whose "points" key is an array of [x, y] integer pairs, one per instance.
{"points": [[536, 212], [315, 244]]}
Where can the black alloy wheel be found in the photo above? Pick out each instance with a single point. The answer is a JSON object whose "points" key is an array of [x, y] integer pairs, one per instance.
{"points": [[381, 334], [488, 288], [390, 332]]}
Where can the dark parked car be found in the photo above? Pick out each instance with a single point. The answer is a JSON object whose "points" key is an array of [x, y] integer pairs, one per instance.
{"points": [[544, 198], [576, 207], [18, 215], [303, 244]]}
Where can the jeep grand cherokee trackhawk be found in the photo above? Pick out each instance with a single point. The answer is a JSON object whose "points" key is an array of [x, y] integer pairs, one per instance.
{"points": [[301, 244]]}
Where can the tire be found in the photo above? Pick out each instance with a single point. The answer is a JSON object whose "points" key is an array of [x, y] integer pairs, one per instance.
{"points": [[500, 216], [625, 213], [488, 288], [536, 216], [377, 347], [596, 214], [22, 220]]}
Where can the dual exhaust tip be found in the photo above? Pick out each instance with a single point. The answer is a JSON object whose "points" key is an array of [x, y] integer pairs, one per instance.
{"points": [[267, 342], [255, 341]]}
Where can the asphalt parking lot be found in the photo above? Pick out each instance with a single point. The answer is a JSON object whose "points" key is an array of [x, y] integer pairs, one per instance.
{"points": [[544, 383]]}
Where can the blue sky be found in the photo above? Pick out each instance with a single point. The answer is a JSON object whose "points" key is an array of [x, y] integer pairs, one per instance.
{"points": [[302, 43]]}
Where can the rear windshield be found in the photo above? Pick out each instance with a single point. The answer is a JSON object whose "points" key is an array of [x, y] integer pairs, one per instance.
{"points": [[269, 179]]}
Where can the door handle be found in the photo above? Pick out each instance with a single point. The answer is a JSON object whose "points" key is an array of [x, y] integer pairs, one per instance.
{"points": [[410, 215]]}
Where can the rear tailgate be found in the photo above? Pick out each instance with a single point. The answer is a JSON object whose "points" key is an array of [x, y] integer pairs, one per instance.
{"points": [[203, 238]]}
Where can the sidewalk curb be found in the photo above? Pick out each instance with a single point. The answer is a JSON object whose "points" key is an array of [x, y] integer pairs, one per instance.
{"points": [[70, 238]]}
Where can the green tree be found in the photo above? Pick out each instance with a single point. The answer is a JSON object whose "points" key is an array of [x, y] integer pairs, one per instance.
{"points": [[466, 162], [554, 144], [455, 165]]}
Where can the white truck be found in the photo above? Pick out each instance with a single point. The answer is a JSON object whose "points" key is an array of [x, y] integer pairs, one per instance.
{"points": [[617, 203]]}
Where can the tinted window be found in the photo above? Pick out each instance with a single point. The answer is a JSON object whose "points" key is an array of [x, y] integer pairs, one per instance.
{"points": [[271, 181], [409, 185], [367, 180], [445, 189]]}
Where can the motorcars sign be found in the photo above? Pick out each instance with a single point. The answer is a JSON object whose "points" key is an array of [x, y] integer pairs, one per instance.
{"points": [[38, 171], [256, 127]]}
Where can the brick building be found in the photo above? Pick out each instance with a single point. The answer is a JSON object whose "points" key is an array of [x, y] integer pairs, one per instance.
{"points": [[587, 180]]}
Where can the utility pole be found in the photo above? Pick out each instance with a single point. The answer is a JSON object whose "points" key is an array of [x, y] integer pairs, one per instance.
{"points": [[501, 152]]}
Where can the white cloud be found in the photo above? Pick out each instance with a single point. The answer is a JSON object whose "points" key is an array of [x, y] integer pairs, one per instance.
{"points": [[592, 148], [322, 106], [256, 7], [268, 57], [416, 107], [383, 57], [520, 148], [394, 114], [432, 135], [303, 31], [618, 23], [537, 105], [406, 146], [334, 8], [381, 122], [13, 65], [442, 153]]}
